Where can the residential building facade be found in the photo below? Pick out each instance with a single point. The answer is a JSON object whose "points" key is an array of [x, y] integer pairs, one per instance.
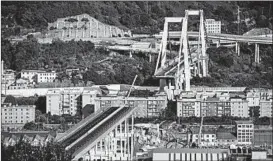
{"points": [[266, 108], [44, 77], [253, 98], [213, 26], [239, 107], [53, 102], [245, 132], [29, 74], [146, 106], [20, 84], [187, 107], [212, 106], [17, 114], [7, 77]]}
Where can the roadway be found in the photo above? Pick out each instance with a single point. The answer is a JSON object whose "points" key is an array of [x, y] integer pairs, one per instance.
{"points": [[227, 37]]}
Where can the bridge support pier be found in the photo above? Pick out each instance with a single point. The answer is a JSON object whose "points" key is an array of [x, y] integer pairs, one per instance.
{"points": [[237, 48], [218, 43], [150, 57], [257, 53]]}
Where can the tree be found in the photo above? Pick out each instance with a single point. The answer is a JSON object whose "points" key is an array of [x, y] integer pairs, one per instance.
{"points": [[41, 104], [171, 110], [30, 126]]}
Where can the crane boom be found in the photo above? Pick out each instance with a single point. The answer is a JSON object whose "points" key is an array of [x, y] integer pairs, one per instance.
{"points": [[200, 131]]}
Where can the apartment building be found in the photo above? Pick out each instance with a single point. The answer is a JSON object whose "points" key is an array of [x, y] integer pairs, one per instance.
{"points": [[66, 101], [187, 107], [53, 102], [7, 77], [29, 74], [20, 84], [239, 107], [213, 26], [89, 95], [245, 132], [17, 114], [212, 106], [146, 106], [253, 98], [44, 77], [266, 108]]}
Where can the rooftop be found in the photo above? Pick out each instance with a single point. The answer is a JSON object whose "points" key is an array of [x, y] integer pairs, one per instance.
{"points": [[244, 122], [189, 150], [225, 136]]}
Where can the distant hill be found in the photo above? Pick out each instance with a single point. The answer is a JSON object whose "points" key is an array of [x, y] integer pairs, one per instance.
{"points": [[140, 16]]}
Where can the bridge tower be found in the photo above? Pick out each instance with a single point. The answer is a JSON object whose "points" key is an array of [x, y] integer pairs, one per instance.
{"points": [[175, 74]]}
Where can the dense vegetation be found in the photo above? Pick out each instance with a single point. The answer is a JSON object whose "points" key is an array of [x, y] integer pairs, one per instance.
{"points": [[140, 17], [24, 151], [226, 68]]}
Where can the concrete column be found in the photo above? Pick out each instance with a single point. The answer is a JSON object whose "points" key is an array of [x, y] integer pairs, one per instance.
{"points": [[150, 57], [104, 30], [132, 138], [218, 43], [130, 54], [97, 29], [257, 53], [90, 28], [169, 83], [237, 48], [2, 67], [110, 31]]}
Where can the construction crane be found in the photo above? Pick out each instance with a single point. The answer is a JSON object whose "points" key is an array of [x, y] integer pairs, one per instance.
{"points": [[200, 132]]}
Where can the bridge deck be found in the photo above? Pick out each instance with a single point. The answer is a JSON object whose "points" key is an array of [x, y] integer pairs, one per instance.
{"points": [[229, 37], [92, 137], [84, 128]]}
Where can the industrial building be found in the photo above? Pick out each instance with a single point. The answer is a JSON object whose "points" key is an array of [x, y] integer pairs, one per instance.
{"points": [[187, 154], [263, 136]]}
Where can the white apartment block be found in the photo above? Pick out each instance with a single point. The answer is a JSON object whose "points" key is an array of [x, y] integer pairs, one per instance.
{"points": [[213, 26], [89, 95], [253, 98], [245, 132], [187, 107], [66, 101], [266, 108], [29, 74], [239, 107], [44, 77], [53, 102], [17, 114]]}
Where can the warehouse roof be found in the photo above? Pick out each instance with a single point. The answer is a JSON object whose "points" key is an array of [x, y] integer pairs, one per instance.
{"points": [[189, 150]]}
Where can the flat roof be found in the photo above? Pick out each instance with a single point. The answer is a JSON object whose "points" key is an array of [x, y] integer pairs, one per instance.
{"points": [[190, 150], [244, 122]]}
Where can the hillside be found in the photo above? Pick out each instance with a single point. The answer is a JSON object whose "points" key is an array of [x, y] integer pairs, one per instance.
{"points": [[19, 18], [141, 17]]}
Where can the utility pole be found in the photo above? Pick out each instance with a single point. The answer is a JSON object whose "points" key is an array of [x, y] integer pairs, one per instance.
{"points": [[238, 19]]}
